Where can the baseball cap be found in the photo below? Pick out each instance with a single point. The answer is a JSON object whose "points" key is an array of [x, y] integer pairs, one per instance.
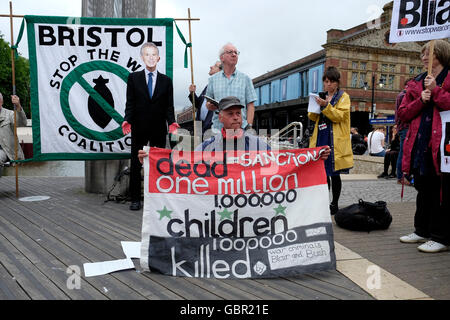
{"points": [[228, 102]]}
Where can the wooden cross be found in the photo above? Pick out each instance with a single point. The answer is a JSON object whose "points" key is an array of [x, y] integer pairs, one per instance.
{"points": [[16, 147], [196, 134]]}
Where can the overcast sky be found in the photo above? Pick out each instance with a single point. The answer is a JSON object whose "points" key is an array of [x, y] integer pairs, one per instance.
{"points": [[269, 34]]}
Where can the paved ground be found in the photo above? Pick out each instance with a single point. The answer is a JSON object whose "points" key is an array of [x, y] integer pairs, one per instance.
{"points": [[41, 240], [369, 188], [428, 273]]}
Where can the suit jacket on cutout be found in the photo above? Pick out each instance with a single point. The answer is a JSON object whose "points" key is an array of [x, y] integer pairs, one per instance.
{"points": [[149, 116]]}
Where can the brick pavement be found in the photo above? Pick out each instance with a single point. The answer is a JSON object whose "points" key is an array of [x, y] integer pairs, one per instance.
{"points": [[429, 273], [369, 188]]}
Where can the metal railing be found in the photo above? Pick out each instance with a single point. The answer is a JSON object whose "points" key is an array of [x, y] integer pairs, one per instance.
{"points": [[290, 137]]}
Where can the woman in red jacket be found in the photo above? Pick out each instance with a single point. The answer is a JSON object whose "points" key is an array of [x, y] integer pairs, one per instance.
{"points": [[426, 97]]}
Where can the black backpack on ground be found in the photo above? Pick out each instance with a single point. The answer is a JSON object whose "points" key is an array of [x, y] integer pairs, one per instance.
{"points": [[364, 216]]}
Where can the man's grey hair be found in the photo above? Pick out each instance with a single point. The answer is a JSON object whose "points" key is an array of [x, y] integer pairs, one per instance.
{"points": [[149, 45], [1, 97], [222, 50]]}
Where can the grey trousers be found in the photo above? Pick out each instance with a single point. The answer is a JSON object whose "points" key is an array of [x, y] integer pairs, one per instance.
{"points": [[3, 156]]}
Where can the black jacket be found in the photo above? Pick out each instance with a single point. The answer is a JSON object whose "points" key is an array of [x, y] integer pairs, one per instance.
{"points": [[147, 116], [207, 123]]}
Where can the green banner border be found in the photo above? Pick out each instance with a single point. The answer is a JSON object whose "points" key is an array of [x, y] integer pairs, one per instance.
{"points": [[34, 90]]}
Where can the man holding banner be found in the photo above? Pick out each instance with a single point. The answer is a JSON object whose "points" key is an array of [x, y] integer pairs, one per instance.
{"points": [[7, 130], [261, 214], [232, 136], [203, 114], [149, 108]]}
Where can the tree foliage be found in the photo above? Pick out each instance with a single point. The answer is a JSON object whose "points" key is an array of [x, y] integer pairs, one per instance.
{"points": [[22, 73]]}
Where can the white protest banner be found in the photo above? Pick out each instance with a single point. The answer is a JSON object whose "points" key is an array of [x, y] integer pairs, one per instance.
{"points": [[445, 142], [79, 69], [246, 215], [420, 20]]}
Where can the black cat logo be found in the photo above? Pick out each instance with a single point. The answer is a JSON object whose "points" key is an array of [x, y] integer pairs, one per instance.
{"points": [[100, 117]]}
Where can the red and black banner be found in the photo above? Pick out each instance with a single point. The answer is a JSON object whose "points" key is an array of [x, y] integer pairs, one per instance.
{"points": [[236, 215]]}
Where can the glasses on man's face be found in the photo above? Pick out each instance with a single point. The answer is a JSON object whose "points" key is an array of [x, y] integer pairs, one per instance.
{"points": [[232, 52]]}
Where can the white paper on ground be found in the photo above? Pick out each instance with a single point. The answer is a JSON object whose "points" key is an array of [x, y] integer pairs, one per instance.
{"points": [[105, 267], [132, 249], [313, 106]]}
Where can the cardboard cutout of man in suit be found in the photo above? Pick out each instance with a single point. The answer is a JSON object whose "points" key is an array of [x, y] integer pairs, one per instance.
{"points": [[149, 109]]}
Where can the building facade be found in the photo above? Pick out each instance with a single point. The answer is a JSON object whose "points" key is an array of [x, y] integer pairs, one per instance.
{"points": [[283, 93], [373, 72], [118, 8], [184, 119]]}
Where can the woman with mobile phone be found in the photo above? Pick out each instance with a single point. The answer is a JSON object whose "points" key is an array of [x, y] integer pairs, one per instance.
{"points": [[332, 128]]}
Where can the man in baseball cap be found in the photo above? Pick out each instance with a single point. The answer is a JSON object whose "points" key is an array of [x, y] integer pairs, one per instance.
{"points": [[232, 135], [230, 114], [228, 102]]}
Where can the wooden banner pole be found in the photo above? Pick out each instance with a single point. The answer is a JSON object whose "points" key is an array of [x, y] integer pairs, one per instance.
{"points": [[430, 56], [16, 147], [192, 81]]}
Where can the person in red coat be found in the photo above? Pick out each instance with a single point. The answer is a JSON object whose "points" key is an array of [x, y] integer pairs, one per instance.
{"points": [[428, 95]]}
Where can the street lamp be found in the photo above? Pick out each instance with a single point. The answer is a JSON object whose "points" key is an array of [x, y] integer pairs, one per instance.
{"points": [[366, 86]]}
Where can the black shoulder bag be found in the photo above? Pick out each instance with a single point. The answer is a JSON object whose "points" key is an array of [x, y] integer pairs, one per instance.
{"points": [[364, 216]]}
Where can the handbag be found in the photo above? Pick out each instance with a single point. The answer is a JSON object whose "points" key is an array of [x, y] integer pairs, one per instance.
{"points": [[364, 216]]}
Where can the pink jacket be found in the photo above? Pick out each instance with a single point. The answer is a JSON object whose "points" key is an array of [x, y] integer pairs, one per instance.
{"points": [[411, 111]]}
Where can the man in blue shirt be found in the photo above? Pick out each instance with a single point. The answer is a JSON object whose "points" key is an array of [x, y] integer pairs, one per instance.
{"points": [[231, 82]]}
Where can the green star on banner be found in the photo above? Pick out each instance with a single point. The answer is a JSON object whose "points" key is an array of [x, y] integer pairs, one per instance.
{"points": [[164, 213], [280, 210], [225, 214]]}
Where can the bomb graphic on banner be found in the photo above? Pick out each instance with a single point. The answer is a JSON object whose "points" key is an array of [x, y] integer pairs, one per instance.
{"points": [[100, 117]]}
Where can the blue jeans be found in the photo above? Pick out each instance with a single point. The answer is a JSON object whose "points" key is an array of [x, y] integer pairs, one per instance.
{"points": [[402, 135], [379, 154]]}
